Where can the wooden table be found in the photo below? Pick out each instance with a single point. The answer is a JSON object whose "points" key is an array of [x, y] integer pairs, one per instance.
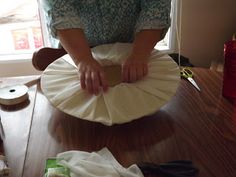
{"points": [[200, 126]]}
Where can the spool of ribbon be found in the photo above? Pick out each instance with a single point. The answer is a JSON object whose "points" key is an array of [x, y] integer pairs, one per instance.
{"points": [[12, 95], [15, 94]]}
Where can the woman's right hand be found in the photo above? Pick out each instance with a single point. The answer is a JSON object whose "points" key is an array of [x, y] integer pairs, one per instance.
{"points": [[92, 76]]}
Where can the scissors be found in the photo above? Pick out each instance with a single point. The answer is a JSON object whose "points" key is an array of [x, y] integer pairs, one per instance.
{"points": [[188, 74]]}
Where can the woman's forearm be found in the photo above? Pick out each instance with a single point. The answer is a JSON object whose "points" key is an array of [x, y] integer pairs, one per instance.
{"points": [[75, 43], [144, 42], [91, 74]]}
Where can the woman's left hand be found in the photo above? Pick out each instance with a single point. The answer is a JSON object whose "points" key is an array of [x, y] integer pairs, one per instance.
{"points": [[134, 69]]}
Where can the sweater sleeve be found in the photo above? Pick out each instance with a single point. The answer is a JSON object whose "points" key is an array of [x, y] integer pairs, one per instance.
{"points": [[155, 14], [61, 14]]}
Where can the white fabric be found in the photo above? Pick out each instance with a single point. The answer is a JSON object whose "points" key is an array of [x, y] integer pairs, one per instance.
{"points": [[123, 102], [96, 164]]}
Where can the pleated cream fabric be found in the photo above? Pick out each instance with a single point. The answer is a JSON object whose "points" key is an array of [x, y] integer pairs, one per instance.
{"points": [[96, 164], [123, 102]]}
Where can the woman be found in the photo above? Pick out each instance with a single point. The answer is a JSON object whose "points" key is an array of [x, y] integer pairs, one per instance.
{"points": [[82, 24]]}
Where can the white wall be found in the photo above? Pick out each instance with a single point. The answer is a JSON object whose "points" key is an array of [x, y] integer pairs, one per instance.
{"points": [[206, 25], [18, 69]]}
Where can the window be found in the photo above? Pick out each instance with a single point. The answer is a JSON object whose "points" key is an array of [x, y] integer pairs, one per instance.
{"points": [[23, 30], [168, 43], [19, 29]]}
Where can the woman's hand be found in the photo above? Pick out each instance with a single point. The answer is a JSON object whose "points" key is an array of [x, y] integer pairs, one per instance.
{"points": [[134, 69], [92, 76]]}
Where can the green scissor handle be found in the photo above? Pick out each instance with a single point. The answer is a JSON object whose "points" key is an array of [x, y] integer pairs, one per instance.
{"points": [[186, 73]]}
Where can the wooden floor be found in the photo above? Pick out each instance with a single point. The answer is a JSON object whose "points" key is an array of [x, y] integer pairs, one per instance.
{"points": [[199, 126]]}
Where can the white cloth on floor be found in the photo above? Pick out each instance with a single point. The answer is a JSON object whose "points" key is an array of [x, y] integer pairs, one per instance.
{"points": [[123, 102], [96, 164]]}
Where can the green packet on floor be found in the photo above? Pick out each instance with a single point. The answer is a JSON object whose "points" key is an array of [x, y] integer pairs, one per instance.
{"points": [[53, 169]]}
